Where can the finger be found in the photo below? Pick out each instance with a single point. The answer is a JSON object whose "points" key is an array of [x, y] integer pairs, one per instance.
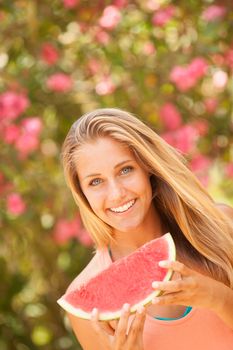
{"points": [[171, 299], [136, 327], [107, 327], [176, 266], [121, 329], [95, 320], [170, 286]]}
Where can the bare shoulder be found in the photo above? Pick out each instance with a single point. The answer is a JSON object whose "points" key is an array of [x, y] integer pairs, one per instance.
{"points": [[226, 209], [84, 332]]}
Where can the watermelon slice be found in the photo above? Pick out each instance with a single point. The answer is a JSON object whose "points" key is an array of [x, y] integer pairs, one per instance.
{"points": [[127, 280]]}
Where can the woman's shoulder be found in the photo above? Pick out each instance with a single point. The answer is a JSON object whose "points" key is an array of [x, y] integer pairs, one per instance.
{"points": [[99, 261]]}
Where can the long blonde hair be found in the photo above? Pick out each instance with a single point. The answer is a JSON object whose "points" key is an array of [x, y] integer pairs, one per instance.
{"points": [[200, 230]]}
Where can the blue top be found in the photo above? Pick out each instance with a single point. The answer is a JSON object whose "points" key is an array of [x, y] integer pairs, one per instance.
{"points": [[187, 311]]}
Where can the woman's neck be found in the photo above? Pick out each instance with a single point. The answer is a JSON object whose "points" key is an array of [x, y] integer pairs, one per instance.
{"points": [[127, 242]]}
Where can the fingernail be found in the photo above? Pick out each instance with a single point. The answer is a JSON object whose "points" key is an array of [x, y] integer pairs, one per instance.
{"points": [[155, 284], [94, 312], [140, 309], [126, 307], [163, 263]]}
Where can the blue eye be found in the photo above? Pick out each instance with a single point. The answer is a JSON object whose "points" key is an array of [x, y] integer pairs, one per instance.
{"points": [[95, 182], [127, 169]]}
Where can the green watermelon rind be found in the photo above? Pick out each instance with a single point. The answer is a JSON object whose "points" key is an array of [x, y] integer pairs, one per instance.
{"points": [[106, 316]]}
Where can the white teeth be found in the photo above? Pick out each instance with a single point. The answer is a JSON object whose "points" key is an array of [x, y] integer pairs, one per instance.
{"points": [[123, 207]]}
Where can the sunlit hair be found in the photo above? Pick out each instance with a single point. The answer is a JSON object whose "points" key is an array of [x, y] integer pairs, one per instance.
{"points": [[202, 233]]}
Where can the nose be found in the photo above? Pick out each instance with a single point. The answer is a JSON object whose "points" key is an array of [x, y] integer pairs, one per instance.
{"points": [[116, 193]]}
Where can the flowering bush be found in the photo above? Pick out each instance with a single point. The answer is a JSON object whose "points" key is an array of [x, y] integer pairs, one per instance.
{"points": [[168, 62]]}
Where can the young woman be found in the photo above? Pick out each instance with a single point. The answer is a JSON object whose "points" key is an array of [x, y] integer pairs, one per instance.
{"points": [[131, 187]]}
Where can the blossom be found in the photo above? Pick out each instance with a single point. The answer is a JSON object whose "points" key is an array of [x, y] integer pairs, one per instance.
{"points": [[229, 170], [110, 17], [161, 17], [68, 229], [185, 77], [213, 13], [12, 104], [10, 133], [170, 116], [32, 125], [220, 79], [49, 54], [120, 3], [84, 238], [105, 87], [26, 144], [183, 139], [202, 127], [15, 204], [94, 66], [211, 104], [200, 163], [70, 4], [148, 48], [229, 58], [102, 37], [59, 82]]}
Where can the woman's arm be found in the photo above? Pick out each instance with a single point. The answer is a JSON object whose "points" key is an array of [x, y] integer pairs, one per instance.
{"points": [[197, 289]]}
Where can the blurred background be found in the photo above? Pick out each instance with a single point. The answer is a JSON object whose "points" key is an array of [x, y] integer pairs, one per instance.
{"points": [[168, 62]]}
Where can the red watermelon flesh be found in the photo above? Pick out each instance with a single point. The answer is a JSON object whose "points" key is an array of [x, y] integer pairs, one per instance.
{"points": [[127, 280]]}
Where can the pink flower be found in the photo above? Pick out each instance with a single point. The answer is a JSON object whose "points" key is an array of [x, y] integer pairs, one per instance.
{"points": [[84, 238], [200, 163], [148, 48], [184, 138], [49, 54], [161, 17], [229, 170], [32, 125], [179, 76], [69, 229], [229, 58], [59, 82], [204, 179], [105, 87], [213, 13], [12, 104], [211, 104], [202, 127], [120, 3], [11, 133], [185, 77], [26, 144], [197, 68], [170, 116], [65, 230], [70, 4], [102, 37], [15, 204], [110, 17], [220, 79], [94, 66]]}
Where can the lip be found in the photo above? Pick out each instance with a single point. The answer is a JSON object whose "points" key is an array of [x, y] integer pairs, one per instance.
{"points": [[127, 211]]}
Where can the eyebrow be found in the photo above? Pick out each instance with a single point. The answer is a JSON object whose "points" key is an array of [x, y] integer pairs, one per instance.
{"points": [[116, 166]]}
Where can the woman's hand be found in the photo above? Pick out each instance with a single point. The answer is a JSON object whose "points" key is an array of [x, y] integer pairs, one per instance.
{"points": [[192, 289], [120, 339]]}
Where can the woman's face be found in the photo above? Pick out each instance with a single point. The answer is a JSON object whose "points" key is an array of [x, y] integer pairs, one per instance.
{"points": [[117, 188]]}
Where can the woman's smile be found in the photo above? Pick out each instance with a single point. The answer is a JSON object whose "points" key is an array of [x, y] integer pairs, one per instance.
{"points": [[123, 208]]}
